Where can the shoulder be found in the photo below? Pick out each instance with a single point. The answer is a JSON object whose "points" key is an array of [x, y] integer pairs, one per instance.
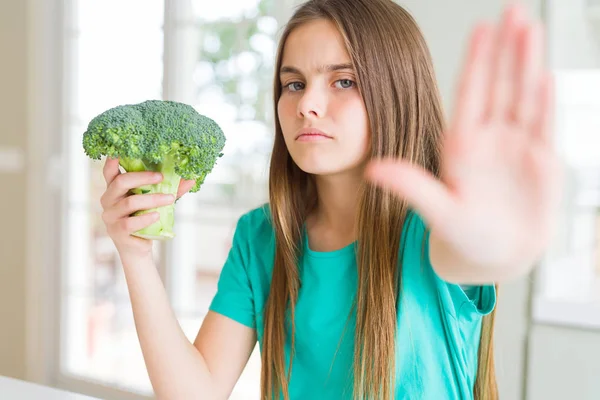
{"points": [[414, 231], [257, 220], [414, 222], [460, 300], [255, 226], [260, 214]]}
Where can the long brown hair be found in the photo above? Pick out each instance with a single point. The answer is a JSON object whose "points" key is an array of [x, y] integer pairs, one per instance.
{"points": [[396, 79]]}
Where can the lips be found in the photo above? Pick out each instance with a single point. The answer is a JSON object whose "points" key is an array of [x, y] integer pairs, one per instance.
{"points": [[311, 133]]}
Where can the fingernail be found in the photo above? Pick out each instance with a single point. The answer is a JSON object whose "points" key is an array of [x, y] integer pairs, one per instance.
{"points": [[158, 176]]}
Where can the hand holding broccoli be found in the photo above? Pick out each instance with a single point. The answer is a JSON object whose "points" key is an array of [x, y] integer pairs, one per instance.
{"points": [[166, 149], [119, 204]]}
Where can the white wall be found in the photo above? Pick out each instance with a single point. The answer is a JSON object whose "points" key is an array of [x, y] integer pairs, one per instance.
{"points": [[564, 363], [447, 25], [575, 39]]}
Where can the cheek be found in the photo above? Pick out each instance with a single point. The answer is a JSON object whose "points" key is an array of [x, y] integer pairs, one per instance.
{"points": [[352, 114], [285, 110]]}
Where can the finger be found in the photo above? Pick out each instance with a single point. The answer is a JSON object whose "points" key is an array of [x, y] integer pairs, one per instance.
{"points": [[135, 223], [418, 187], [547, 187], [530, 56], [473, 83], [123, 183], [185, 186], [138, 202], [543, 128], [110, 170], [504, 75]]}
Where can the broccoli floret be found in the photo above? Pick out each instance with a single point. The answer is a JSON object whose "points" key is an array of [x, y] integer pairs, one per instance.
{"points": [[157, 135]]}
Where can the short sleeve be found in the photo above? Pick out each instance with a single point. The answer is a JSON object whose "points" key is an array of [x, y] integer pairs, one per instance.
{"points": [[481, 298], [234, 297], [460, 300], [464, 300]]}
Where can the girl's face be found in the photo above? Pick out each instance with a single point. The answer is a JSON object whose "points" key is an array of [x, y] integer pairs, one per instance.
{"points": [[322, 115]]}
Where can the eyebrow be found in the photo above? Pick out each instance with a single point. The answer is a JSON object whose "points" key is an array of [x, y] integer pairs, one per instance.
{"points": [[323, 68]]}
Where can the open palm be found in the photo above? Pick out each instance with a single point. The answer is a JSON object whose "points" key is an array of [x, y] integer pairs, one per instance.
{"points": [[501, 178]]}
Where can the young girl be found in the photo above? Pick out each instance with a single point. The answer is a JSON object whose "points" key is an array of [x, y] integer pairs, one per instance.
{"points": [[370, 274]]}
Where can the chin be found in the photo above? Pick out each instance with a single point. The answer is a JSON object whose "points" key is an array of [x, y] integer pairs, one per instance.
{"points": [[324, 167], [320, 170]]}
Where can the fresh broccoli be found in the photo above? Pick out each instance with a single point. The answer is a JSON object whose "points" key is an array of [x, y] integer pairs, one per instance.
{"points": [[157, 135]]}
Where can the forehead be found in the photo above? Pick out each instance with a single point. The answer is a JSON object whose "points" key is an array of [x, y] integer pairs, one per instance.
{"points": [[314, 44]]}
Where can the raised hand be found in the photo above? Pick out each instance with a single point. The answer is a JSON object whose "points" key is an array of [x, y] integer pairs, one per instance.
{"points": [[501, 179]]}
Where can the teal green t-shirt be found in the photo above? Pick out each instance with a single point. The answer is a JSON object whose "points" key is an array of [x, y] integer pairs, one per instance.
{"points": [[438, 324]]}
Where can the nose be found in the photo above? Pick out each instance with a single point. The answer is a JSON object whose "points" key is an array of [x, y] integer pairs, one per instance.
{"points": [[311, 104]]}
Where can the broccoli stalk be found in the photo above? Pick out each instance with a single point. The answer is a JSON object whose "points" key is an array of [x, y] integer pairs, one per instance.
{"points": [[163, 136], [163, 228]]}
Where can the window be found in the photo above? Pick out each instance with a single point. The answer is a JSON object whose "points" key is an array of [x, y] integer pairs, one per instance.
{"points": [[216, 56], [569, 277], [101, 71]]}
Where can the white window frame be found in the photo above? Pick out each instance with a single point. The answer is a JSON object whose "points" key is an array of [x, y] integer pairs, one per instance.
{"points": [[44, 149]]}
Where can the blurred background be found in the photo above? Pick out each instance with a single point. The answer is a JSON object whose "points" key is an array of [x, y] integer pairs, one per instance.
{"points": [[65, 316]]}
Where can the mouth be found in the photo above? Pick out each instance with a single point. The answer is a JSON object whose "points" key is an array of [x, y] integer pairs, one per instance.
{"points": [[311, 134]]}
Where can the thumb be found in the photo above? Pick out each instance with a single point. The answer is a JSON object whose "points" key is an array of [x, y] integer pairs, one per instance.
{"points": [[184, 186], [423, 191]]}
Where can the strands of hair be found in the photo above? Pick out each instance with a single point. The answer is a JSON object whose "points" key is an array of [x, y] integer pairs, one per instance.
{"points": [[396, 80]]}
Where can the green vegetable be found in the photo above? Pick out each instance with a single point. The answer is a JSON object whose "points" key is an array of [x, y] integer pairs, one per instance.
{"points": [[157, 135]]}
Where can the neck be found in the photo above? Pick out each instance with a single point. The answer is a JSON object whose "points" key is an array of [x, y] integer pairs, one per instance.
{"points": [[337, 203]]}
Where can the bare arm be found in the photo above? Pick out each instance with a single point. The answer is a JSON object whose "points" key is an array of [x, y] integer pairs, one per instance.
{"points": [[178, 369], [226, 345]]}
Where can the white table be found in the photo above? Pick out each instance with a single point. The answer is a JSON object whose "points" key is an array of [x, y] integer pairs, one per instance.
{"points": [[14, 389]]}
